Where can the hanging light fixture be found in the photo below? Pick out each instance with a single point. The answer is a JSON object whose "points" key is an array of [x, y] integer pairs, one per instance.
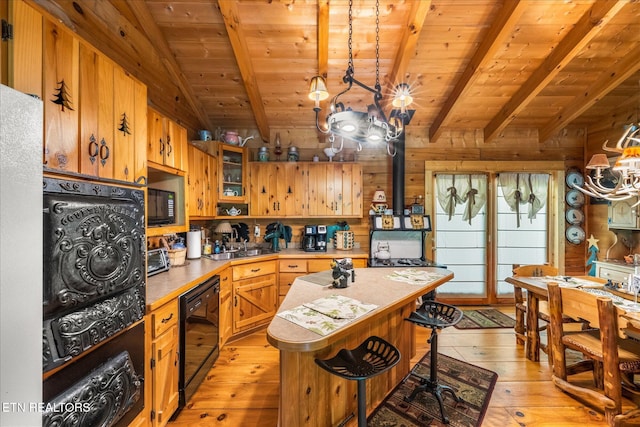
{"points": [[362, 127], [626, 169]]}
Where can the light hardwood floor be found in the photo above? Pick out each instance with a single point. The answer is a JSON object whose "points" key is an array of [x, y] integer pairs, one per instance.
{"points": [[242, 388]]}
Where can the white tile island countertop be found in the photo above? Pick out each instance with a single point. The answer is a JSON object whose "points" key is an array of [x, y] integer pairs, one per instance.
{"points": [[311, 396]]}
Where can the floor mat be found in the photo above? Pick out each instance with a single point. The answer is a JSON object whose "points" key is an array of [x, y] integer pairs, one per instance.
{"points": [[471, 383], [485, 318]]}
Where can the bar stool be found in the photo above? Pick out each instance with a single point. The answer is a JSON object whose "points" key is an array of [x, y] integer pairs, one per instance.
{"points": [[435, 315], [374, 356]]}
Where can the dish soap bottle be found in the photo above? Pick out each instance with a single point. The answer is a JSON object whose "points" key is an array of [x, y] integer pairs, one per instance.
{"points": [[207, 247], [217, 247]]}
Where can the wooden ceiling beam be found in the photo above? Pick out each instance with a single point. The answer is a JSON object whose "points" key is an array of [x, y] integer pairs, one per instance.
{"points": [[407, 47], [587, 27], [608, 81], [230, 14], [501, 28], [155, 36]]}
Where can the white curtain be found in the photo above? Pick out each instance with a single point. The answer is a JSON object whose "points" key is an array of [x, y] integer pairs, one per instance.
{"points": [[468, 191], [524, 189]]}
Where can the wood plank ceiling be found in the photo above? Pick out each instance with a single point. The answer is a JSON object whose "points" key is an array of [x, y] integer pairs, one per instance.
{"points": [[471, 64]]}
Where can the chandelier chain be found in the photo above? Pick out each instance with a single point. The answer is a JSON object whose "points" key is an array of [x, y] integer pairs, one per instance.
{"points": [[377, 44], [350, 64]]}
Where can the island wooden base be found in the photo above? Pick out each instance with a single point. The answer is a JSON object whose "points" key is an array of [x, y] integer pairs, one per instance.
{"points": [[313, 397], [310, 396]]}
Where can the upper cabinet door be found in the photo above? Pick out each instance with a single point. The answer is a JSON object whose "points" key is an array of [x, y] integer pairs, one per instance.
{"points": [[167, 144], [23, 68], [335, 189], [155, 133], [232, 174], [60, 87]]}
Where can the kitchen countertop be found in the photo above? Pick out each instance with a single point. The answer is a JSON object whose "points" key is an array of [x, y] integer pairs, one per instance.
{"points": [[166, 286], [371, 286]]}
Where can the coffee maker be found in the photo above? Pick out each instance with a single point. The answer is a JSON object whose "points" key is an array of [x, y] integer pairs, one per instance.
{"points": [[314, 238]]}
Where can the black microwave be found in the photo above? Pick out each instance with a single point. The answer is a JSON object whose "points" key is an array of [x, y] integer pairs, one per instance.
{"points": [[160, 207]]}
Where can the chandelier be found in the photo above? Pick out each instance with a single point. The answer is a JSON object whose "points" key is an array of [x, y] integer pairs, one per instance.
{"points": [[362, 127], [626, 169]]}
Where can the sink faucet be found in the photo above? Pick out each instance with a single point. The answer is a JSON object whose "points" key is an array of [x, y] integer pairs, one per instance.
{"points": [[234, 232], [244, 241]]}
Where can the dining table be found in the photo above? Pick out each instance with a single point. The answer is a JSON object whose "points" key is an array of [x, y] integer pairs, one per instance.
{"points": [[536, 290]]}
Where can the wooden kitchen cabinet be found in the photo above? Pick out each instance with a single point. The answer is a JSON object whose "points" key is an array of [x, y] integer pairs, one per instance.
{"points": [[255, 295], [60, 83], [167, 142], [22, 68], [94, 111], [289, 270], [202, 183], [622, 214], [335, 189], [232, 174], [164, 363], [226, 313], [278, 189], [292, 268], [300, 190], [113, 118]]}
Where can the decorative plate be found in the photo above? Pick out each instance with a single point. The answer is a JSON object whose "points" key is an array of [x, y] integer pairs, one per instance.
{"points": [[574, 216], [574, 178], [575, 234], [575, 198]]}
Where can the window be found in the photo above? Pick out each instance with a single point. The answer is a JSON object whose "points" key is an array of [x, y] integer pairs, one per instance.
{"points": [[494, 218]]}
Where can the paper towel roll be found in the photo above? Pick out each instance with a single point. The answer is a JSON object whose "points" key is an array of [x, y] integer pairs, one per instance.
{"points": [[194, 245]]}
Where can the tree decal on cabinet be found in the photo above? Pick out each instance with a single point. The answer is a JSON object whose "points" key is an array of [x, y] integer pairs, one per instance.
{"points": [[61, 96], [124, 125]]}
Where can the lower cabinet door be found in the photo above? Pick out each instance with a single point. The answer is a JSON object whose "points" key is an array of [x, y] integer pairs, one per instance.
{"points": [[165, 376], [254, 302]]}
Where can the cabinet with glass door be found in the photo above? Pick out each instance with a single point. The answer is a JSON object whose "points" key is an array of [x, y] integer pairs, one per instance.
{"points": [[232, 174]]}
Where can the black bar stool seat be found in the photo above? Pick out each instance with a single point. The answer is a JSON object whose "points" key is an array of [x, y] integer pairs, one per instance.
{"points": [[373, 357], [435, 315]]}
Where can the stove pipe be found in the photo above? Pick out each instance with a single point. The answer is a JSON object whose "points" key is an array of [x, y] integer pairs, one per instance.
{"points": [[398, 176]]}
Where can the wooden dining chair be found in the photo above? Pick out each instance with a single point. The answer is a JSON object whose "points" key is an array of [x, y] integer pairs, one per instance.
{"points": [[605, 348], [532, 270]]}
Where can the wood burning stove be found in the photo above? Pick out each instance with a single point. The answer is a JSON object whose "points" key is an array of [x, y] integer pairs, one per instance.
{"points": [[93, 303]]}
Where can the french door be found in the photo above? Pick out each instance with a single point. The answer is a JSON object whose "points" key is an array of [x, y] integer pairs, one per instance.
{"points": [[480, 230]]}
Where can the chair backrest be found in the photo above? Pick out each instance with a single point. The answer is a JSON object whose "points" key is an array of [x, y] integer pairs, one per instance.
{"points": [[578, 304], [602, 314], [534, 270]]}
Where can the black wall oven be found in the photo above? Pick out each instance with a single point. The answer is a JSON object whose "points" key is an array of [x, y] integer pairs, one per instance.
{"points": [[199, 335], [93, 303]]}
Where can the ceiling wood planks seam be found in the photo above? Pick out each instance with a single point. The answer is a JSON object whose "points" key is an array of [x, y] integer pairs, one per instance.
{"points": [[474, 65]]}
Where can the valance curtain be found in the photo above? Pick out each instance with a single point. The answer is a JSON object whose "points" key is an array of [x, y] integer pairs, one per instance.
{"points": [[524, 188], [467, 190]]}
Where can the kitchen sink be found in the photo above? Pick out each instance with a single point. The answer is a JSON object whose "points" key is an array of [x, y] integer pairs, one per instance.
{"points": [[221, 256], [250, 252], [236, 254]]}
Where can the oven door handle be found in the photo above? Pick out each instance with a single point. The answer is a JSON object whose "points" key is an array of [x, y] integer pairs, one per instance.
{"points": [[195, 305]]}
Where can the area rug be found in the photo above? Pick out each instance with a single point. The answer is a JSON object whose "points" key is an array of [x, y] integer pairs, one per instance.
{"points": [[485, 319], [472, 383]]}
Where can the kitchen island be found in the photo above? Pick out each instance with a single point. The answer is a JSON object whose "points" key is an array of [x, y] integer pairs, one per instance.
{"points": [[310, 396]]}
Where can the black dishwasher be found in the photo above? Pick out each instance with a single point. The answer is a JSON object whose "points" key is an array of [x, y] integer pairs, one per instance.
{"points": [[199, 335]]}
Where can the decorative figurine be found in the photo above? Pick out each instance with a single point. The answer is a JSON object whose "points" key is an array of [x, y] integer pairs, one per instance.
{"points": [[342, 269]]}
